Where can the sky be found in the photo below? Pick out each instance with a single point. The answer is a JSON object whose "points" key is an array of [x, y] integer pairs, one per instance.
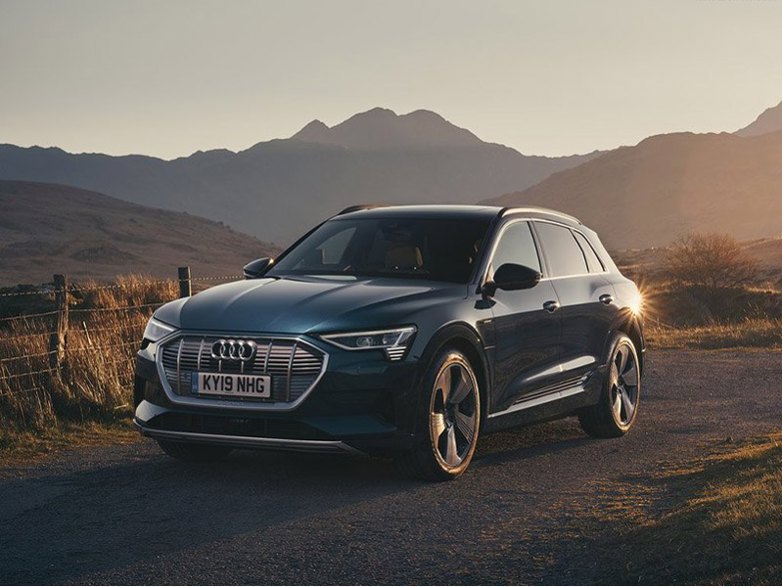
{"points": [[167, 78]]}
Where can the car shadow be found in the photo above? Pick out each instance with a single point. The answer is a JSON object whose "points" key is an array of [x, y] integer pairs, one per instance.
{"points": [[529, 442], [89, 518]]}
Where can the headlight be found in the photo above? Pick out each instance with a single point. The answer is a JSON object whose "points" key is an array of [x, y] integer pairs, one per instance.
{"points": [[156, 330], [394, 341]]}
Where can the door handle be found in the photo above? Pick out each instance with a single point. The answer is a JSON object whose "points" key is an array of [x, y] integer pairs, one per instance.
{"points": [[551, 306], [606, 299]]}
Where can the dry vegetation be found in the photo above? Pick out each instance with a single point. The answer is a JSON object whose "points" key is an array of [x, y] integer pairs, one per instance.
{"points": [[751, 333], [95, 383], [706, 291], [726, 530]]}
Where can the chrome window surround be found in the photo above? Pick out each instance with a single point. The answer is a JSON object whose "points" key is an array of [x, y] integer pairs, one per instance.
{"points": [[196, 402], [541, 254]]}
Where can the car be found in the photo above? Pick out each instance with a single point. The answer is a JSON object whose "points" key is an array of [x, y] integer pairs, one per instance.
{"points": [[404, 331]]}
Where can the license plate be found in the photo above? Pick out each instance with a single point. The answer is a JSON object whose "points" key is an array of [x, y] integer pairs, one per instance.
{"points": [[255, 386]]}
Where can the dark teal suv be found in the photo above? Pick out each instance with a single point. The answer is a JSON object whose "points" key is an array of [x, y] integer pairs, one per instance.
{"points": [[405, 331]]}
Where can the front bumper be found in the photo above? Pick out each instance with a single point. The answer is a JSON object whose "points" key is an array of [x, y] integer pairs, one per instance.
{"points": [[363, 403], [289, 444]]}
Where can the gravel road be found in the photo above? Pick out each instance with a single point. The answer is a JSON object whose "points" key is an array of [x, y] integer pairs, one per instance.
{"points": [[127, 514]]}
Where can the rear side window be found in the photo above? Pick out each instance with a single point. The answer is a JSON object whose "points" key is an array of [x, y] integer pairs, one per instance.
{"points": [[561, 250], [593, 261], [516, 246]]}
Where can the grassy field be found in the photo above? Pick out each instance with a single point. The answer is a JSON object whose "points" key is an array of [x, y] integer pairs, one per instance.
{"points": [[724, 525], [751, 333]]}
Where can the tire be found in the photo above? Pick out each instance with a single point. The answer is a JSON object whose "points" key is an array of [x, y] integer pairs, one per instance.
{"points": [[447, 422], [617, 410], [192, 452]]}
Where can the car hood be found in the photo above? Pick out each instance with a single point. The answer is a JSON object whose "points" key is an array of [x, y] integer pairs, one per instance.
{"points": [[307, 304]]}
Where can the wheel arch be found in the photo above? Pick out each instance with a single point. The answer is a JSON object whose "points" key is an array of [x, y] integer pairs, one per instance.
{"points": [[466, 340], [630, 325]]}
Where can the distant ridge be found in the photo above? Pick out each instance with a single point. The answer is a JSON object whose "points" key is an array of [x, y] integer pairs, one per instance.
{"points": [[275, 190], [381, 128], [669, 185], [770, 120], [49, 228]]}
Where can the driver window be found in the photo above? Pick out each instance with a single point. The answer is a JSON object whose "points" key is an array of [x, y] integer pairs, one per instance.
{"points": [[516, 246]]}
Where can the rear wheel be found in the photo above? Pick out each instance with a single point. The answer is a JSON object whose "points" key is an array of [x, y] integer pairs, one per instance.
{"points": [[617, 409], [448, 421], [192, 452]]}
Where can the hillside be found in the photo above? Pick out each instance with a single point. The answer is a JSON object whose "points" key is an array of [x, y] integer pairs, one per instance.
{"points": [[668, 185], [770, 120], [47, 229], [277, 189]]}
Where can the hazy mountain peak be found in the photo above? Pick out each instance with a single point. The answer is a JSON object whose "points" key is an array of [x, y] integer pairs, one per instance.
{"points": [[374, 114], [384, 129], [422, 114], [315, 132], [769, 121]]}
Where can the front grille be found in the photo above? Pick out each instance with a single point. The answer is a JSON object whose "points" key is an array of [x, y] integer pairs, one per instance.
{"points": [[294, 366]]}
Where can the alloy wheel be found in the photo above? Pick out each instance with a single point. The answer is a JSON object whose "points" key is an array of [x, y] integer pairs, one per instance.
{"points": [[454, 413], [624, 384]]}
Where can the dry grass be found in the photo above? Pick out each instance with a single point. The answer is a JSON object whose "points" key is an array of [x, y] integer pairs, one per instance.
{"points": [[752, 333], [726, 529], [95, 383], [22, 448]]}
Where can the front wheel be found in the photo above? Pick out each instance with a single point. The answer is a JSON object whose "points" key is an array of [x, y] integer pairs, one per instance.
{"points": [[617, 409], [448, 421]]}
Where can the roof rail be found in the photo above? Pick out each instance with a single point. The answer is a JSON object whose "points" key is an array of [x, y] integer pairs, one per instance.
{"points": [[540, 210], [358, 207]]}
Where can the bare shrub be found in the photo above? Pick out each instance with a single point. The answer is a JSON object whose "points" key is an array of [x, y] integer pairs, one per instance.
{"points": [[713, 261]]}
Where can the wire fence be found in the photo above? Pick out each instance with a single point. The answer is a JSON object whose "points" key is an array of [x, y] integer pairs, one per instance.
{"points": [[78, 339]]}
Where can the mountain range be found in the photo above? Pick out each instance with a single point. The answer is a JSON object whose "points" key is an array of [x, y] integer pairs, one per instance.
{"points": [[277, 189], [669, 185], [636, 196], [47, 228]]}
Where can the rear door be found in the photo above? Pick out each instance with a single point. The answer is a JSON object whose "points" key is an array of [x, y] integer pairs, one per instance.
{"points": [[527, 336], [585, 296]]}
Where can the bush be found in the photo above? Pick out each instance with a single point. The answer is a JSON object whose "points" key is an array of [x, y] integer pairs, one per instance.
{"points": [[712, 261]]}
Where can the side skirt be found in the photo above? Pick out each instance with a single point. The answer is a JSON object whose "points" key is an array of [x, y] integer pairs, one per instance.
{"points": [[550, 403]]}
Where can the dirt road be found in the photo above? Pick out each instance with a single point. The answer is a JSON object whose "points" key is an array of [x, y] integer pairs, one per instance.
{"points": [[128, 514]]}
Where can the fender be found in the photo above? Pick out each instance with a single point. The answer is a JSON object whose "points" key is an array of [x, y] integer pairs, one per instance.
{"points": [[467, 339], [630, 324]]}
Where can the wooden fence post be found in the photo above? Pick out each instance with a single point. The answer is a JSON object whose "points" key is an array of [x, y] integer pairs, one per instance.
{"points": [[185, 283], [59, 337]]}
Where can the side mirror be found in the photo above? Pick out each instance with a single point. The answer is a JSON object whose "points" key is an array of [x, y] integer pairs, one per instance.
{"points": [[512, 277], [256, 269]]}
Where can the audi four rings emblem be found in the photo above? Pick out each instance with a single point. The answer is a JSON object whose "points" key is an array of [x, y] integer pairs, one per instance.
{"points": [[234, 350]]}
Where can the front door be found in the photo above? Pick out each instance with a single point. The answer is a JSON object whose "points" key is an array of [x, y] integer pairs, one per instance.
{"points": [[527, 335]]}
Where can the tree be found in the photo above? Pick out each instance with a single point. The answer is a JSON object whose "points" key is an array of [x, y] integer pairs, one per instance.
{"points": [[713, 261]]}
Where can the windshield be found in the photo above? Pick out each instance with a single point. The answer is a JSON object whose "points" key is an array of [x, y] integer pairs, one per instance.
{"points": [[425, 248]]}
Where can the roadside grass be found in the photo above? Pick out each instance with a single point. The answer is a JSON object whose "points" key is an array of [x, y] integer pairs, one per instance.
{"points": [[752, 333], [95, 382], [725, 526], [19, 448]]}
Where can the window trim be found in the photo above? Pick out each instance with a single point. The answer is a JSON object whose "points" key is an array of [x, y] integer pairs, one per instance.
{"points": [[578, 233], [572, 230], [496, 241]]}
